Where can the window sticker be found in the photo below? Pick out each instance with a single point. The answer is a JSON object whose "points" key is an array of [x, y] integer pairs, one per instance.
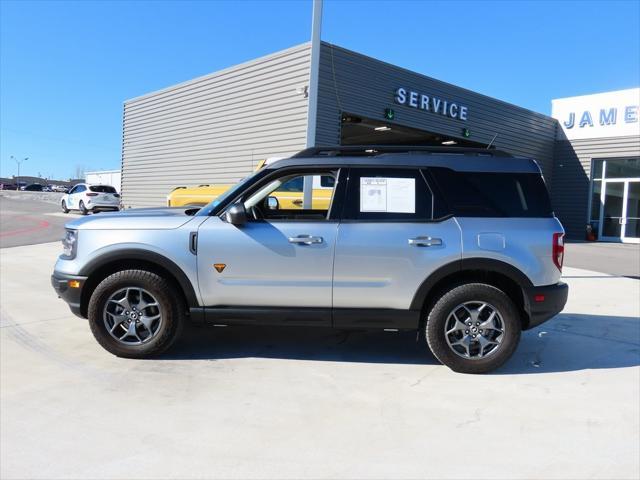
{"points": [[391, 195]]}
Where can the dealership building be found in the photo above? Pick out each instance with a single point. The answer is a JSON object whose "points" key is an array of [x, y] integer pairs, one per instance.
{"points": [[216, 128]]}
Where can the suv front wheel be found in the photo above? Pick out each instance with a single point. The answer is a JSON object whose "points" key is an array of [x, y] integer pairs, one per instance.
{"points": [[134, 314], [473, 328]]}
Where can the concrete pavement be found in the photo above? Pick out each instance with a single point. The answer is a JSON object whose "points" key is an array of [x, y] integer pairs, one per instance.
{"points": [[281, 403], [612, 258]]}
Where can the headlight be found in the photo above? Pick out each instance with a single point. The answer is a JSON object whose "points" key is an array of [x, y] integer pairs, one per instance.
{"points": [[70, 244]]}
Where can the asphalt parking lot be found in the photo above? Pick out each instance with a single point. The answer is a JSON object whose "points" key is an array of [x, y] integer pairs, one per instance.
{"points": [[28, 222], [280, 403]]}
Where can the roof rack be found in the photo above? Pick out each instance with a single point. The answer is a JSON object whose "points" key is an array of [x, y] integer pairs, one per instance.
{"points": [[373, 150]]}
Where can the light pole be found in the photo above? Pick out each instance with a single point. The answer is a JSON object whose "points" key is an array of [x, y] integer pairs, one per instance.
{"points": [[19, 162]]}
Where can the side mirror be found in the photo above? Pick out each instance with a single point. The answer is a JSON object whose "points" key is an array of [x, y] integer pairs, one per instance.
{"points": [[273, 203], [236, 214]]}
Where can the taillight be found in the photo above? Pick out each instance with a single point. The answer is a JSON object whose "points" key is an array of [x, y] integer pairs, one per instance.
{"points": [[91, 194], [558, 249]]}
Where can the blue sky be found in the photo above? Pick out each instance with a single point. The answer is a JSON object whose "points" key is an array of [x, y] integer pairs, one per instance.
{"points": [[67, 67]]}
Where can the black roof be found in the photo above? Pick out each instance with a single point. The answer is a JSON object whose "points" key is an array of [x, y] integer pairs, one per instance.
{"points": [[456, 158]]}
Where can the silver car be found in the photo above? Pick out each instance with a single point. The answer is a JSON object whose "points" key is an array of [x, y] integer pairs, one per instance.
{"points": [[459, 244]]}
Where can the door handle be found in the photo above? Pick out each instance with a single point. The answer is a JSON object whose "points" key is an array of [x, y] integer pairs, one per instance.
{"points": [[297, 202], [305, 240], [425, 241]]}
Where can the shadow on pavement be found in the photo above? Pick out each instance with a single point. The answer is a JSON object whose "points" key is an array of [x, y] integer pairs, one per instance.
{"points": [[566, 343]]}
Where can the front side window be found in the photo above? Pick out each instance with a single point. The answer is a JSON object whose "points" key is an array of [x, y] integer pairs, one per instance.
{"points": [[282, 198], [387, 194]]}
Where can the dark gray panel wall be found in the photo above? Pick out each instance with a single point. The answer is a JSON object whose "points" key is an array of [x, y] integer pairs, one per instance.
{"points": [[357, 84], [571, 176], [214, 129]]}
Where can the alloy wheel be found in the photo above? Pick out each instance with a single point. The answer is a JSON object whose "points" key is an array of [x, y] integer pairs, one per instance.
{"points": [[132, 316], [474, 330]]}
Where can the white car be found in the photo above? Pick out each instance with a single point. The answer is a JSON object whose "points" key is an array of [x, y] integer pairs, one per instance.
{"points": [[91, 198]]}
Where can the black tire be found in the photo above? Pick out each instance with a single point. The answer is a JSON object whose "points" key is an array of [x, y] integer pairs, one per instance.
{"points": [[470, 292], [83, 209], [64, 207], [173, 313]]}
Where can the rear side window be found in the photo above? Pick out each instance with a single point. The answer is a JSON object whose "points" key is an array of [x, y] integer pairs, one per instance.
{"points": [[387, 194], [102, 189], [488, 194]]}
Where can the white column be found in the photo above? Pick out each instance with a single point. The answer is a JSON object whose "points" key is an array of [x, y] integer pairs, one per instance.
{"points": [[312, 110]]}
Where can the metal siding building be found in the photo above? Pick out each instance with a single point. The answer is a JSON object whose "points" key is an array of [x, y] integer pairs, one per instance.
{"points": [[572, 175], [356, 84], [214, 129], [594, 130]]}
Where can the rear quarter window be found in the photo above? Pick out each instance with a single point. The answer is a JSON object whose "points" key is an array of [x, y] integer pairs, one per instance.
{"points": [[489, 194]]}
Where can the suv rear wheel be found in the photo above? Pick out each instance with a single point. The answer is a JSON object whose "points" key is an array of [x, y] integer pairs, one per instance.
{"points": [[473, 328], [134, 314]]}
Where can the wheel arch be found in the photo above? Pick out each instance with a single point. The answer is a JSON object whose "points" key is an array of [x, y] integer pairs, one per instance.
{"points": [[135, 259], [502, 275]]}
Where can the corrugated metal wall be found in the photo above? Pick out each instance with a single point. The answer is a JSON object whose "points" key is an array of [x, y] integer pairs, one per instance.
{"points": [[214, 129], [357, 84], [571, 176]]}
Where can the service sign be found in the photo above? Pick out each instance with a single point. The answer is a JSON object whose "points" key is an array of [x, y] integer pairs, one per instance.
{"points": [[610, 114], [430, 103]]}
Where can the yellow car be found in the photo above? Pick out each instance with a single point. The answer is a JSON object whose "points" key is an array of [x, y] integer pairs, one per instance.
{"points": [[289, 195]]}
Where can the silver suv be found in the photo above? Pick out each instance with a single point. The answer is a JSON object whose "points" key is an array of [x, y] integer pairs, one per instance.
{"points": [[461, 244]]}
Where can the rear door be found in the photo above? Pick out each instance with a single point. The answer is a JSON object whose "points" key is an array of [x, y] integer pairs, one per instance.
{"points": [[388, 243]]}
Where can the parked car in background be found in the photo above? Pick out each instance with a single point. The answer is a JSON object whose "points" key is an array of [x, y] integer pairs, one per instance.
{"points": [[201, 195], [8, 186], [288, 196], [34, 187], [59, 188], [91, 198]]}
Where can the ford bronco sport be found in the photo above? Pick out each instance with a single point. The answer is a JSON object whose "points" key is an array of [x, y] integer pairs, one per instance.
{"points": [[459, 244]]}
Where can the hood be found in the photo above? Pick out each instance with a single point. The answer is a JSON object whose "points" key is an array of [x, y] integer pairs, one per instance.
{"points": [[135, 219]]}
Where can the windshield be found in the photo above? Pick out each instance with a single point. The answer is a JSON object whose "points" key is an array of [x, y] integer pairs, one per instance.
{"points": [[214, 206]]}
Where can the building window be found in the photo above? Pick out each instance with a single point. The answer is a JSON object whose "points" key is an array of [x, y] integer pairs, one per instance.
{"points": [[607, 194]]}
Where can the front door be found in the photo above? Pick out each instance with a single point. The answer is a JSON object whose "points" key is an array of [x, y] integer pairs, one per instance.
{"points": [[620, 211], [281, 257]]}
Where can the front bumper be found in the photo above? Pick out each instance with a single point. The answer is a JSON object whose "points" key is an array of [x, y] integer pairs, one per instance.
{"points": [[543, 303], [65, 286]]}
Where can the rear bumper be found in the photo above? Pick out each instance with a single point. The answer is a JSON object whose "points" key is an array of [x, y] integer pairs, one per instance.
{"points": [[71, 295], [103, 206], [543, 303]]}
